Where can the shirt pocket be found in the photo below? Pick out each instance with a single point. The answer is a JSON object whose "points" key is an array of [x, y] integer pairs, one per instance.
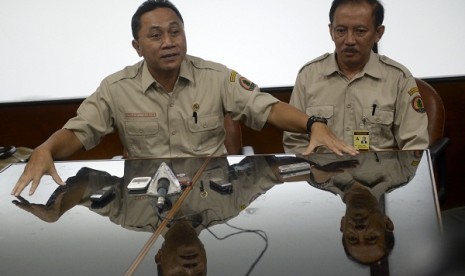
{"points": [[325, 111], [143, 135], [205, 133], [379, 125], [142, 128]]}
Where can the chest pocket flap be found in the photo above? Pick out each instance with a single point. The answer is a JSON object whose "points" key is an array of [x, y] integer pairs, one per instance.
{"points": [[141, 128], [383, 117], [325, 111], [204, 123]]}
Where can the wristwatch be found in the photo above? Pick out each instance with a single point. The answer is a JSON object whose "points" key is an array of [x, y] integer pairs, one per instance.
{"points": [[314, 119]]}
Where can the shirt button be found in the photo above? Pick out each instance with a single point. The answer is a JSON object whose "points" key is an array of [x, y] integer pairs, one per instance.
{"points": [[348, 106], [378, 120], [204, 125], [173, 132], [347, 128], [141, 130], [171, 104]]}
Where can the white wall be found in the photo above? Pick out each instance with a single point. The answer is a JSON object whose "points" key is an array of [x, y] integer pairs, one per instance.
{"points": [[59, 49]]}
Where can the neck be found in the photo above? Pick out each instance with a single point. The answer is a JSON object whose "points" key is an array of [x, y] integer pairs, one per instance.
{"points": [[167, 79], [350, 72]]}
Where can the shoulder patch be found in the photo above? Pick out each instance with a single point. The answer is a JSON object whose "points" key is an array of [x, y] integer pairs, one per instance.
{"points": [[417, 104], [246, 84], [395, 64], [413, 91]]}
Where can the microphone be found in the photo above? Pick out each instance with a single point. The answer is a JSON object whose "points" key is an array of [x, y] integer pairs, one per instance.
{"points": [[164, 184], [162, 190]]}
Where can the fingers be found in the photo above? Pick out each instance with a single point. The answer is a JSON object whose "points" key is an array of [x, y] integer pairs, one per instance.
{"points": [[23, 181], [21, 200], [22, 203], [56, 177], [32, 175], [332, 143]]}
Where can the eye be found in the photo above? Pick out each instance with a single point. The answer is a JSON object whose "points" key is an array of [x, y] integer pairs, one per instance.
{"points": [[175, 32], [339, 31], [372, 239], [155, 36], [352, 239], [360, 32]]}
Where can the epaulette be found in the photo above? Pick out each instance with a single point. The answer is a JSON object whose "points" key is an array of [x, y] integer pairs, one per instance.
{"points": [[204, 64], [395, 64], [320, 58], [128, 72]]}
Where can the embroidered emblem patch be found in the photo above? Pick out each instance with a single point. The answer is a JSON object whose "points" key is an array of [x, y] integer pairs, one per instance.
{"points": [[413, 91], [232, 77], [417, 104], [246, 84]]}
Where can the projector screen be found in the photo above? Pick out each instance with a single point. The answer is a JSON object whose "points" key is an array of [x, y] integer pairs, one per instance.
{"points": [[58, 49]]}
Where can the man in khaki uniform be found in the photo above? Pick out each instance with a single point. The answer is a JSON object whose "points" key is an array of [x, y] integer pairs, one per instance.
{"points": [[367, 100], [169, 104]]}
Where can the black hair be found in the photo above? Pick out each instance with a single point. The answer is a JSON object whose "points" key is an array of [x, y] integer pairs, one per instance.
{"points": [[147, 6], [378, 9]]}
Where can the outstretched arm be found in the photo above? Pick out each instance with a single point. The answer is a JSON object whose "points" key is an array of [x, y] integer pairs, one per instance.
{"points": [[289, 118]]}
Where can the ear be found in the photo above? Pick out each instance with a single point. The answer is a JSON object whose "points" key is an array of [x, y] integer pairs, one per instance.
{"points": [[389, 224], [342, 224], [136, 46], [379, 33], [158, 256]]}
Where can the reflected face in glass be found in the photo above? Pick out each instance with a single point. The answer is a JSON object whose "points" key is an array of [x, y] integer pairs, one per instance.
{"points": [[354, 34], [161, 41], [182, 253], [365, 229], [365, 239]]}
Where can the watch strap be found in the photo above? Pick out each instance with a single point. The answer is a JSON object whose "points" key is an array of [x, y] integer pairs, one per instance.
{"points": [[314, 119]]}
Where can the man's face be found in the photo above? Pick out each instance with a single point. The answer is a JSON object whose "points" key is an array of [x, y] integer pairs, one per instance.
{"points": [[161, 42], [364, 227], [182, 252], [354, 34], [365, 237]]}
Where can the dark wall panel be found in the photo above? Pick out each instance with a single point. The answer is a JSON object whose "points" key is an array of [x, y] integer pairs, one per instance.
{"points": [[29, 124]]}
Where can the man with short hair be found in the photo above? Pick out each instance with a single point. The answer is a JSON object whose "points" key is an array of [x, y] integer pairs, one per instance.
{"points": [[170, 104], [355, 97]]}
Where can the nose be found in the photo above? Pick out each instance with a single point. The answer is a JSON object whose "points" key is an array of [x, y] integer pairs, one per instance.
{"points": [[350, 38], [167, 41], [360, 227]]}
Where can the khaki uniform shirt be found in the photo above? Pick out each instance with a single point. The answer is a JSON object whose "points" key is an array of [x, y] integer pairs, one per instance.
{"points": [[154, 123], [399, 120], [380, 172]]}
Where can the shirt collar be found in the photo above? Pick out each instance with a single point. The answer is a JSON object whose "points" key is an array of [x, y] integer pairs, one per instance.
{"points": [[185, 73], [372, 68]]}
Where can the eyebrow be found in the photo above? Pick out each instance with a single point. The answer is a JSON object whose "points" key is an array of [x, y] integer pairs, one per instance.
{"points": [[171, 24]]}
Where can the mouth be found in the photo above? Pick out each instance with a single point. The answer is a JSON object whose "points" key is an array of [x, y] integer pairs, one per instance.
{"points": [[170, 57], [350, 51]]}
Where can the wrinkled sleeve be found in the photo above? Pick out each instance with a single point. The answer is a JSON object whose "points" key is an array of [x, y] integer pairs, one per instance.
{"points": [[94, 118]]}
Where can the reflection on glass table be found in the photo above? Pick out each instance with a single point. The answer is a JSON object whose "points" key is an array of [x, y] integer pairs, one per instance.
{"points": [[254, 215]]}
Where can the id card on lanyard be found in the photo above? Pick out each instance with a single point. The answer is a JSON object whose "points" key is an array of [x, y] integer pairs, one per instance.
{"points": [[362, 137]]}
